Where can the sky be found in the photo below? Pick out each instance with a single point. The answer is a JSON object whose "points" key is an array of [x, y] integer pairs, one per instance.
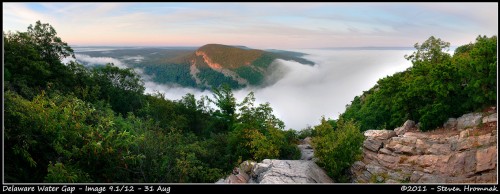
{"points": [[257, 25]]}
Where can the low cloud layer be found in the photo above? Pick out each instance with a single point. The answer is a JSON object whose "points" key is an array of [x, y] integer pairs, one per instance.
{"points": [[136, 59], [91, 61], [305, 93]]}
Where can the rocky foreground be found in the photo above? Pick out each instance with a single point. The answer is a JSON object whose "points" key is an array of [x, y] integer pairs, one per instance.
{"points": [[463, 151], [281, 171]]}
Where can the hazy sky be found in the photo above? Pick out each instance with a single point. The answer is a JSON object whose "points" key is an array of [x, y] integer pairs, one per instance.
{"points": [[258, 25]]}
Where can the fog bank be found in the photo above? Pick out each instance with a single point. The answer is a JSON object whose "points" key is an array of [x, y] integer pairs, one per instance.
{"points": [[305, 93]]}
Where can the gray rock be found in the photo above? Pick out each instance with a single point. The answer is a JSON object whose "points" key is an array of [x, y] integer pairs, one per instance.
{"points": [[409, 124], [451, 123], [375, 169], [418, 126], [292, 171], [307, 140], [259, 168], [439, 149], [399, 131], [469, 120], [306, 152], [385, 151], [490, 118], [397, 176], [358, 166], [415, 176], [372, 144], [380, 179], [431, 178], [406, 126], [380, 134]]}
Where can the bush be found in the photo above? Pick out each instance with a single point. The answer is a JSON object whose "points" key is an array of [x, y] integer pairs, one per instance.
{"points": [[337, 149]]}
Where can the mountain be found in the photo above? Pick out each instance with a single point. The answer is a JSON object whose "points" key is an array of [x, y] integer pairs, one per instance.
{"points": [[215, 64]]}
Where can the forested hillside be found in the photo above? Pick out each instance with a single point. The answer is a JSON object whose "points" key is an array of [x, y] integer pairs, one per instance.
{"points": [[436, 87], [67, 123]]}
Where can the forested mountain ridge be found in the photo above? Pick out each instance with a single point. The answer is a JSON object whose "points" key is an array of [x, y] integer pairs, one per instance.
{"points": [[211, 65], [215, 64]]}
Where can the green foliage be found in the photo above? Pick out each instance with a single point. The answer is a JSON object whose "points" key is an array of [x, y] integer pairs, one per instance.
{"points": [[59, 173], [230, 57], [122, 88], [264, 61], [32, 59], [257, 134], [253, 76], [225, 116], [306, 132], [436, 87], [337, 149], [171, 73], [64, 123]]}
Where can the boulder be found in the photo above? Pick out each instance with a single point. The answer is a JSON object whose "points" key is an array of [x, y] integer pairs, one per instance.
{"points": [[486, 159], [375, 169], [259, 168], [469, 120], [385, 151], [380, 134], [372, 144], [247, 166], [307, 140], [291, 171], [418, 126], [439, 149], [490, 118], [450, 124], [409, 124], [306, 152]]}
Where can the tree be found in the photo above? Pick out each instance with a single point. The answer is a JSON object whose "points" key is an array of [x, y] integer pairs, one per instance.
{"points": [[226, 104], [435, 88], [122, 88], [433, 50], [50, 47], [33, 59]]}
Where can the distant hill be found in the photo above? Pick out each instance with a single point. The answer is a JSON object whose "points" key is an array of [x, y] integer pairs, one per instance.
{"points": [[215, 64], [208, 66]]}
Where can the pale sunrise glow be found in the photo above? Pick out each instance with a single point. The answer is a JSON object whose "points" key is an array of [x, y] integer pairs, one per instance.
{"points": [[258, 25]]}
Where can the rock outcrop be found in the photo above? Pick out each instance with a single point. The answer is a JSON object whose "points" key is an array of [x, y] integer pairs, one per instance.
{"points": [[464, 151], [306, 150], [278, 172]]}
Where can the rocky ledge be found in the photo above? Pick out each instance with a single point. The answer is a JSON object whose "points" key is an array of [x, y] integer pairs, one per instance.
{"points": [[278, 172], [463, 151]]}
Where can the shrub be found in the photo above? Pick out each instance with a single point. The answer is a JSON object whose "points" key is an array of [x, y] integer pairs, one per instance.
{"points": [[337, 149]]}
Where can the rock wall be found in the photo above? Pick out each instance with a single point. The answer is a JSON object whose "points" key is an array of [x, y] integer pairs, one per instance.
{"points": [[463, 151]]}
